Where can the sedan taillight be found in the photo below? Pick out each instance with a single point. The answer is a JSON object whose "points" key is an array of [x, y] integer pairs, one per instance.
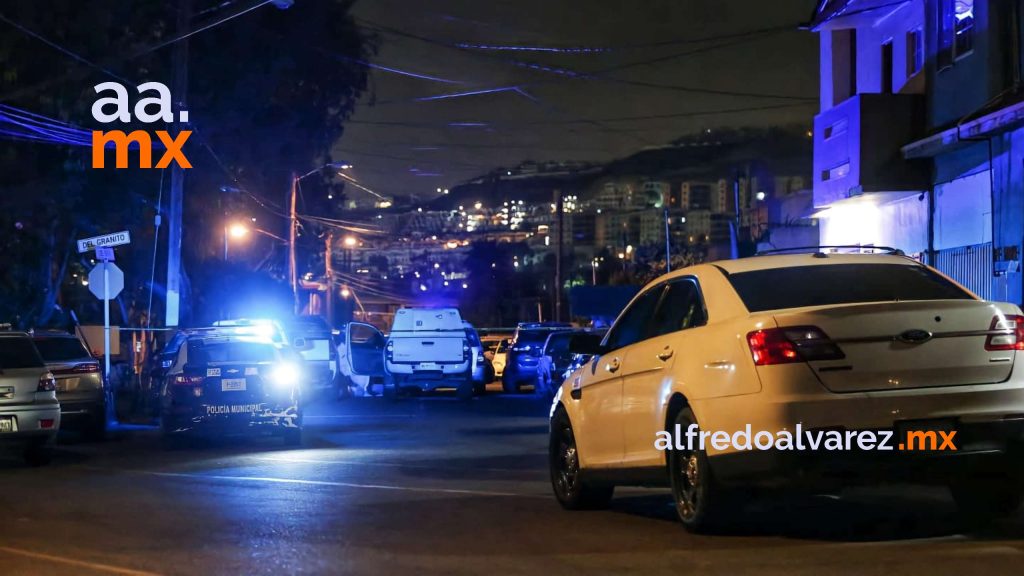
{"points": [[1012, 333], [793, 344], [87, 368], [47, 383]]}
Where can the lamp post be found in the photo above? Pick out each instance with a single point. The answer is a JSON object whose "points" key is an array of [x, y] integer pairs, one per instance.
{"points": [[236, 231]]}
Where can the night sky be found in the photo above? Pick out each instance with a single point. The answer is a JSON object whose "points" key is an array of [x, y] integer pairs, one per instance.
{"points": [[402, 144]]}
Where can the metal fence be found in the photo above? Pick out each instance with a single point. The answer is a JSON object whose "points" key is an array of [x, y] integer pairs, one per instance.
{"points": [[970, 266]]}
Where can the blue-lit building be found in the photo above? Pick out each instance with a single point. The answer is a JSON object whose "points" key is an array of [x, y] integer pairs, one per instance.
{"points": [[919, 142]]}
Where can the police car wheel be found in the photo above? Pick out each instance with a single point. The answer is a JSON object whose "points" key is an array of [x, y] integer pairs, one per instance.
{"points": [[293, 437]]}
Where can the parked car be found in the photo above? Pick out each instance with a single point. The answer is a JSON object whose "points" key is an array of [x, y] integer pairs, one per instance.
{"points": [[524, 355], [811, 342], [29, 411], [554, 359], [496, 351], [222, 384], [426, 349], [80, 386]]}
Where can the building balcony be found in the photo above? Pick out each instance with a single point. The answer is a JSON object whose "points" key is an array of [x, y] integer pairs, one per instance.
{"points": [[857, 147]]}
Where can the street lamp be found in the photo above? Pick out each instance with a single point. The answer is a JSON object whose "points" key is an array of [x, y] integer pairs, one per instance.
{"points": [[236, 231]]}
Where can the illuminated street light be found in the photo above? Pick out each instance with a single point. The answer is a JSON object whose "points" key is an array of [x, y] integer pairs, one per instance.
{"points": [[345, 293], [350, 241], [760, 195], [238, 230]]}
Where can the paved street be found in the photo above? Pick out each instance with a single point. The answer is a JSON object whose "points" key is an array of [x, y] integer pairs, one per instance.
{"points": [[432, 486]]}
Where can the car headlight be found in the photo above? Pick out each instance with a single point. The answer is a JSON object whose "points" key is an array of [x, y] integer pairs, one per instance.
{"points": [[285, 375]]}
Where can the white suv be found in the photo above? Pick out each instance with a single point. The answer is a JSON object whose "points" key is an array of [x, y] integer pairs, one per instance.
{"points": [[801, 343]]}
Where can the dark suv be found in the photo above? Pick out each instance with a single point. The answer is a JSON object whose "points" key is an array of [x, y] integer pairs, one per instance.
{"points": [[524, 354]]}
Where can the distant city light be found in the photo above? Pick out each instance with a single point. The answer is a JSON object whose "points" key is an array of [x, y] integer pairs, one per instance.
{"points": [[436, 265], [464, 285], [345, 293], [478, 205], [423, 288], [760, 195]]}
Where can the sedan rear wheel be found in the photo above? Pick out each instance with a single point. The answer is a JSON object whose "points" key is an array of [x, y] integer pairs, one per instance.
{"points": [[701, 502], [988, 498]]}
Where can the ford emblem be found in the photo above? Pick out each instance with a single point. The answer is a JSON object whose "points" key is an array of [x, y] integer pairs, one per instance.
{"points": [[914, 336]]}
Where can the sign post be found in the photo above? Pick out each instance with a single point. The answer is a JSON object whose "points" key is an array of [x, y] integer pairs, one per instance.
{"points": [[105, 281]]}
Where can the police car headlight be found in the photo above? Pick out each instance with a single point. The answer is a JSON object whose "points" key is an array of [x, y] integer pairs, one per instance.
{"points": [[285, 375]]}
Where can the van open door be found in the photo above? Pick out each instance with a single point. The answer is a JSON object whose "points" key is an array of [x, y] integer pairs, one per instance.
{"points": [[365, 347]]}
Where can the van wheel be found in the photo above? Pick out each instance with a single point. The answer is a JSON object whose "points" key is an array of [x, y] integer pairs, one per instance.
{"points": [[571, 489], [702, 504], [38, 453], [987, 498], [464, 391]]}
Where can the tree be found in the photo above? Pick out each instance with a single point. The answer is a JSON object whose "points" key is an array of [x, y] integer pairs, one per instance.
{"points": [[269, 93]]}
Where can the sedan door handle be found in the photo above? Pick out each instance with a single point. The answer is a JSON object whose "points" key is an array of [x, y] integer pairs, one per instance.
{"points": [[665, 354], [612, 365]]}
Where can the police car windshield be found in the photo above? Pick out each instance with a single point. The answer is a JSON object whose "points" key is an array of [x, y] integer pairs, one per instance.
{"points": [[232, 352]]}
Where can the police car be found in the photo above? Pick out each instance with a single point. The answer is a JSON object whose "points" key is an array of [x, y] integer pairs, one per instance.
{"points": [[224, 384]]}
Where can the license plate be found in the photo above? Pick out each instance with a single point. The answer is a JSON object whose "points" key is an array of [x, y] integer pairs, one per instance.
{"points": [[7, 424], [429, 366], [232, 384], [929, 428]]}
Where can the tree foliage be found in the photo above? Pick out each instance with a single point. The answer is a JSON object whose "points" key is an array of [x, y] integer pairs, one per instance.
{"points": [[268, 94]]}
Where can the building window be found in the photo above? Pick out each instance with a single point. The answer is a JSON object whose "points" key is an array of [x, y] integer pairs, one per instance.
{"points": [[887, 67], [955, 30], [915, 52], [844, 64]]}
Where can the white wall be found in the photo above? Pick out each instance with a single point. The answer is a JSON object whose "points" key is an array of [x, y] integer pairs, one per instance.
{"points": [[963, 211], [901, 224]]}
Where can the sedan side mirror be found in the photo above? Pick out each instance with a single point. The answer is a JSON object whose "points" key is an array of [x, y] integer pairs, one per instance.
{"points": [[589, 344]]}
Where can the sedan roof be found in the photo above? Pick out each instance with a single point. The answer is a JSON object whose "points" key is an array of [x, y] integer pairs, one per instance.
{"points": [[820, 259]]}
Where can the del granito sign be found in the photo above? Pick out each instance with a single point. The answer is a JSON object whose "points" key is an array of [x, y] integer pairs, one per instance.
{"points": [[148, 110]]}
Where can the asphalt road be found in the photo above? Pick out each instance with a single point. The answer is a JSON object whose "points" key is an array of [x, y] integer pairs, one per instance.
{"points": [[434, 486]]}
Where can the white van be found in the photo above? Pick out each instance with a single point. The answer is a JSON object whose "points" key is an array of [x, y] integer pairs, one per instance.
{"points": [[426, 349]]}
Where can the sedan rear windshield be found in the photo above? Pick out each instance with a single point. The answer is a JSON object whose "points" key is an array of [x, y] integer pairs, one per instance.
{"points": [[61, 349], [232, 352], [18, 352], [799, 286]]}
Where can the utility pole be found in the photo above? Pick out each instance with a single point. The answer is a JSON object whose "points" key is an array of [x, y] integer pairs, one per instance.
{"points": [[329, 273], [293, 272], [560, 216], [179, 89]]}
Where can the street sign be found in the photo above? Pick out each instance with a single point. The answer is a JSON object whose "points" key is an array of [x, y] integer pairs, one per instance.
{"points": [[109, 240], [104, 254], [116, 279]]}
